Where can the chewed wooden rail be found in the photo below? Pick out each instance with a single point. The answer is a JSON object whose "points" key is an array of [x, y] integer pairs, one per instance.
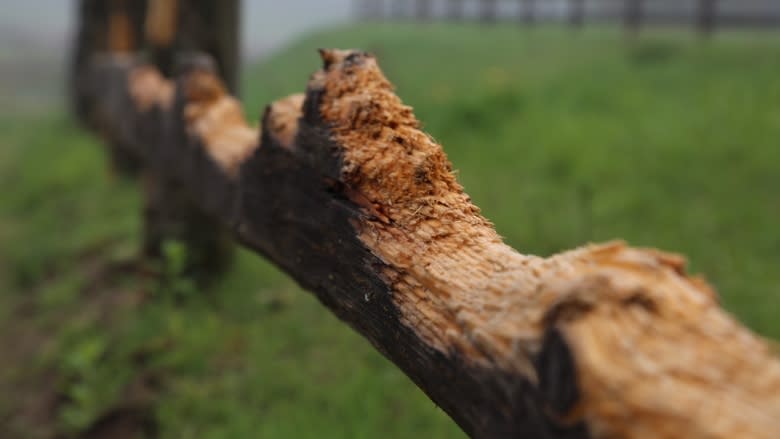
{"points": [[342, 189]]}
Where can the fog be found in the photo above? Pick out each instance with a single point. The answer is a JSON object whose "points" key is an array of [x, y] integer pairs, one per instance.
{"points": [[267, 24]]}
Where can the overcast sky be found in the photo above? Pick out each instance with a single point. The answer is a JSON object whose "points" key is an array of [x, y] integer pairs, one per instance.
{"points": [[266, 23]]}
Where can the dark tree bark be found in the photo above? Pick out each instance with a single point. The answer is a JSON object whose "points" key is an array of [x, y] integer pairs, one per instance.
{"points": [[342, 190]]}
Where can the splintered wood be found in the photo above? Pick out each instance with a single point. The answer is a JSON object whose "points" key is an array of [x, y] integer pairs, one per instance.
{"points": [[210, 113], [161, 22], [655, 355]]}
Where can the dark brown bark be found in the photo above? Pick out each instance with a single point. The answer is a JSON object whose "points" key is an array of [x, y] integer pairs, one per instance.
{"points": [[346, 194]]}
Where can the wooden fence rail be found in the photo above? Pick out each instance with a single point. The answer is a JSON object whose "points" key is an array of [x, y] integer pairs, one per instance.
{"points": [[341, 189], [704, 15]]}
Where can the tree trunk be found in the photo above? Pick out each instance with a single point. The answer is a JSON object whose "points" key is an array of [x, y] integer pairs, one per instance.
{"points": [[342, 190]]}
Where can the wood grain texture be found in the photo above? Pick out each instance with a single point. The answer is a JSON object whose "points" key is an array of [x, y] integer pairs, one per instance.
{"points": [[344, 191]]}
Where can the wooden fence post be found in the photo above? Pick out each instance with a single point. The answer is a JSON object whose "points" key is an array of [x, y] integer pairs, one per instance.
{"points": [[167, 28], [488, 12], [576, 13], [528, 11], [632, 16], [114, 26], [423, 10], [399, 8], [455, 9], [707, 16]]}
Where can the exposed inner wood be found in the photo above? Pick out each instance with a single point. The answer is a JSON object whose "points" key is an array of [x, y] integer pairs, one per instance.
{"points": [[655, 354], [357, 203], [218, 120], [161, 22], [120, 30], [148, 88]]}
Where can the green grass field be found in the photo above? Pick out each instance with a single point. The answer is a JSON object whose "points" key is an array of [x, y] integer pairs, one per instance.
{"points": [[562, 138]]}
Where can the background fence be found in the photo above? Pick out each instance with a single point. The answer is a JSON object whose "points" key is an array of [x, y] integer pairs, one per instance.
{"points": [[706, 15]]}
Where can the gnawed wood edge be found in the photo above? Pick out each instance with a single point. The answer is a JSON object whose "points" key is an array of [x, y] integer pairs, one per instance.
{"points": [[343, 191]]}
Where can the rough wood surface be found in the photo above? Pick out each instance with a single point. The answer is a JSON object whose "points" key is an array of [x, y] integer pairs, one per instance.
{"points": [[342, 190]]}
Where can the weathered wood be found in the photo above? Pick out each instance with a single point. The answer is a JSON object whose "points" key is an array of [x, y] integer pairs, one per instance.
{"points": [[105, 26], [166, 29], [343, 191], [210, 26]]}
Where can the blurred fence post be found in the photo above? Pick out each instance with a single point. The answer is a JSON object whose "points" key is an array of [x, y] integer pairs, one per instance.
{"points": [[423, 10], [488, 11], [528, 11], [199, 26], [399, 8], [632, 16], [167, 28], [576, 13], [369, 9], [707, 16], [113, 26], [455, 9]]}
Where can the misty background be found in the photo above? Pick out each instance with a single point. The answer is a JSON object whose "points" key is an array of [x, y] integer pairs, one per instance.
{"points": [[36, 35], [266, 24]]}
